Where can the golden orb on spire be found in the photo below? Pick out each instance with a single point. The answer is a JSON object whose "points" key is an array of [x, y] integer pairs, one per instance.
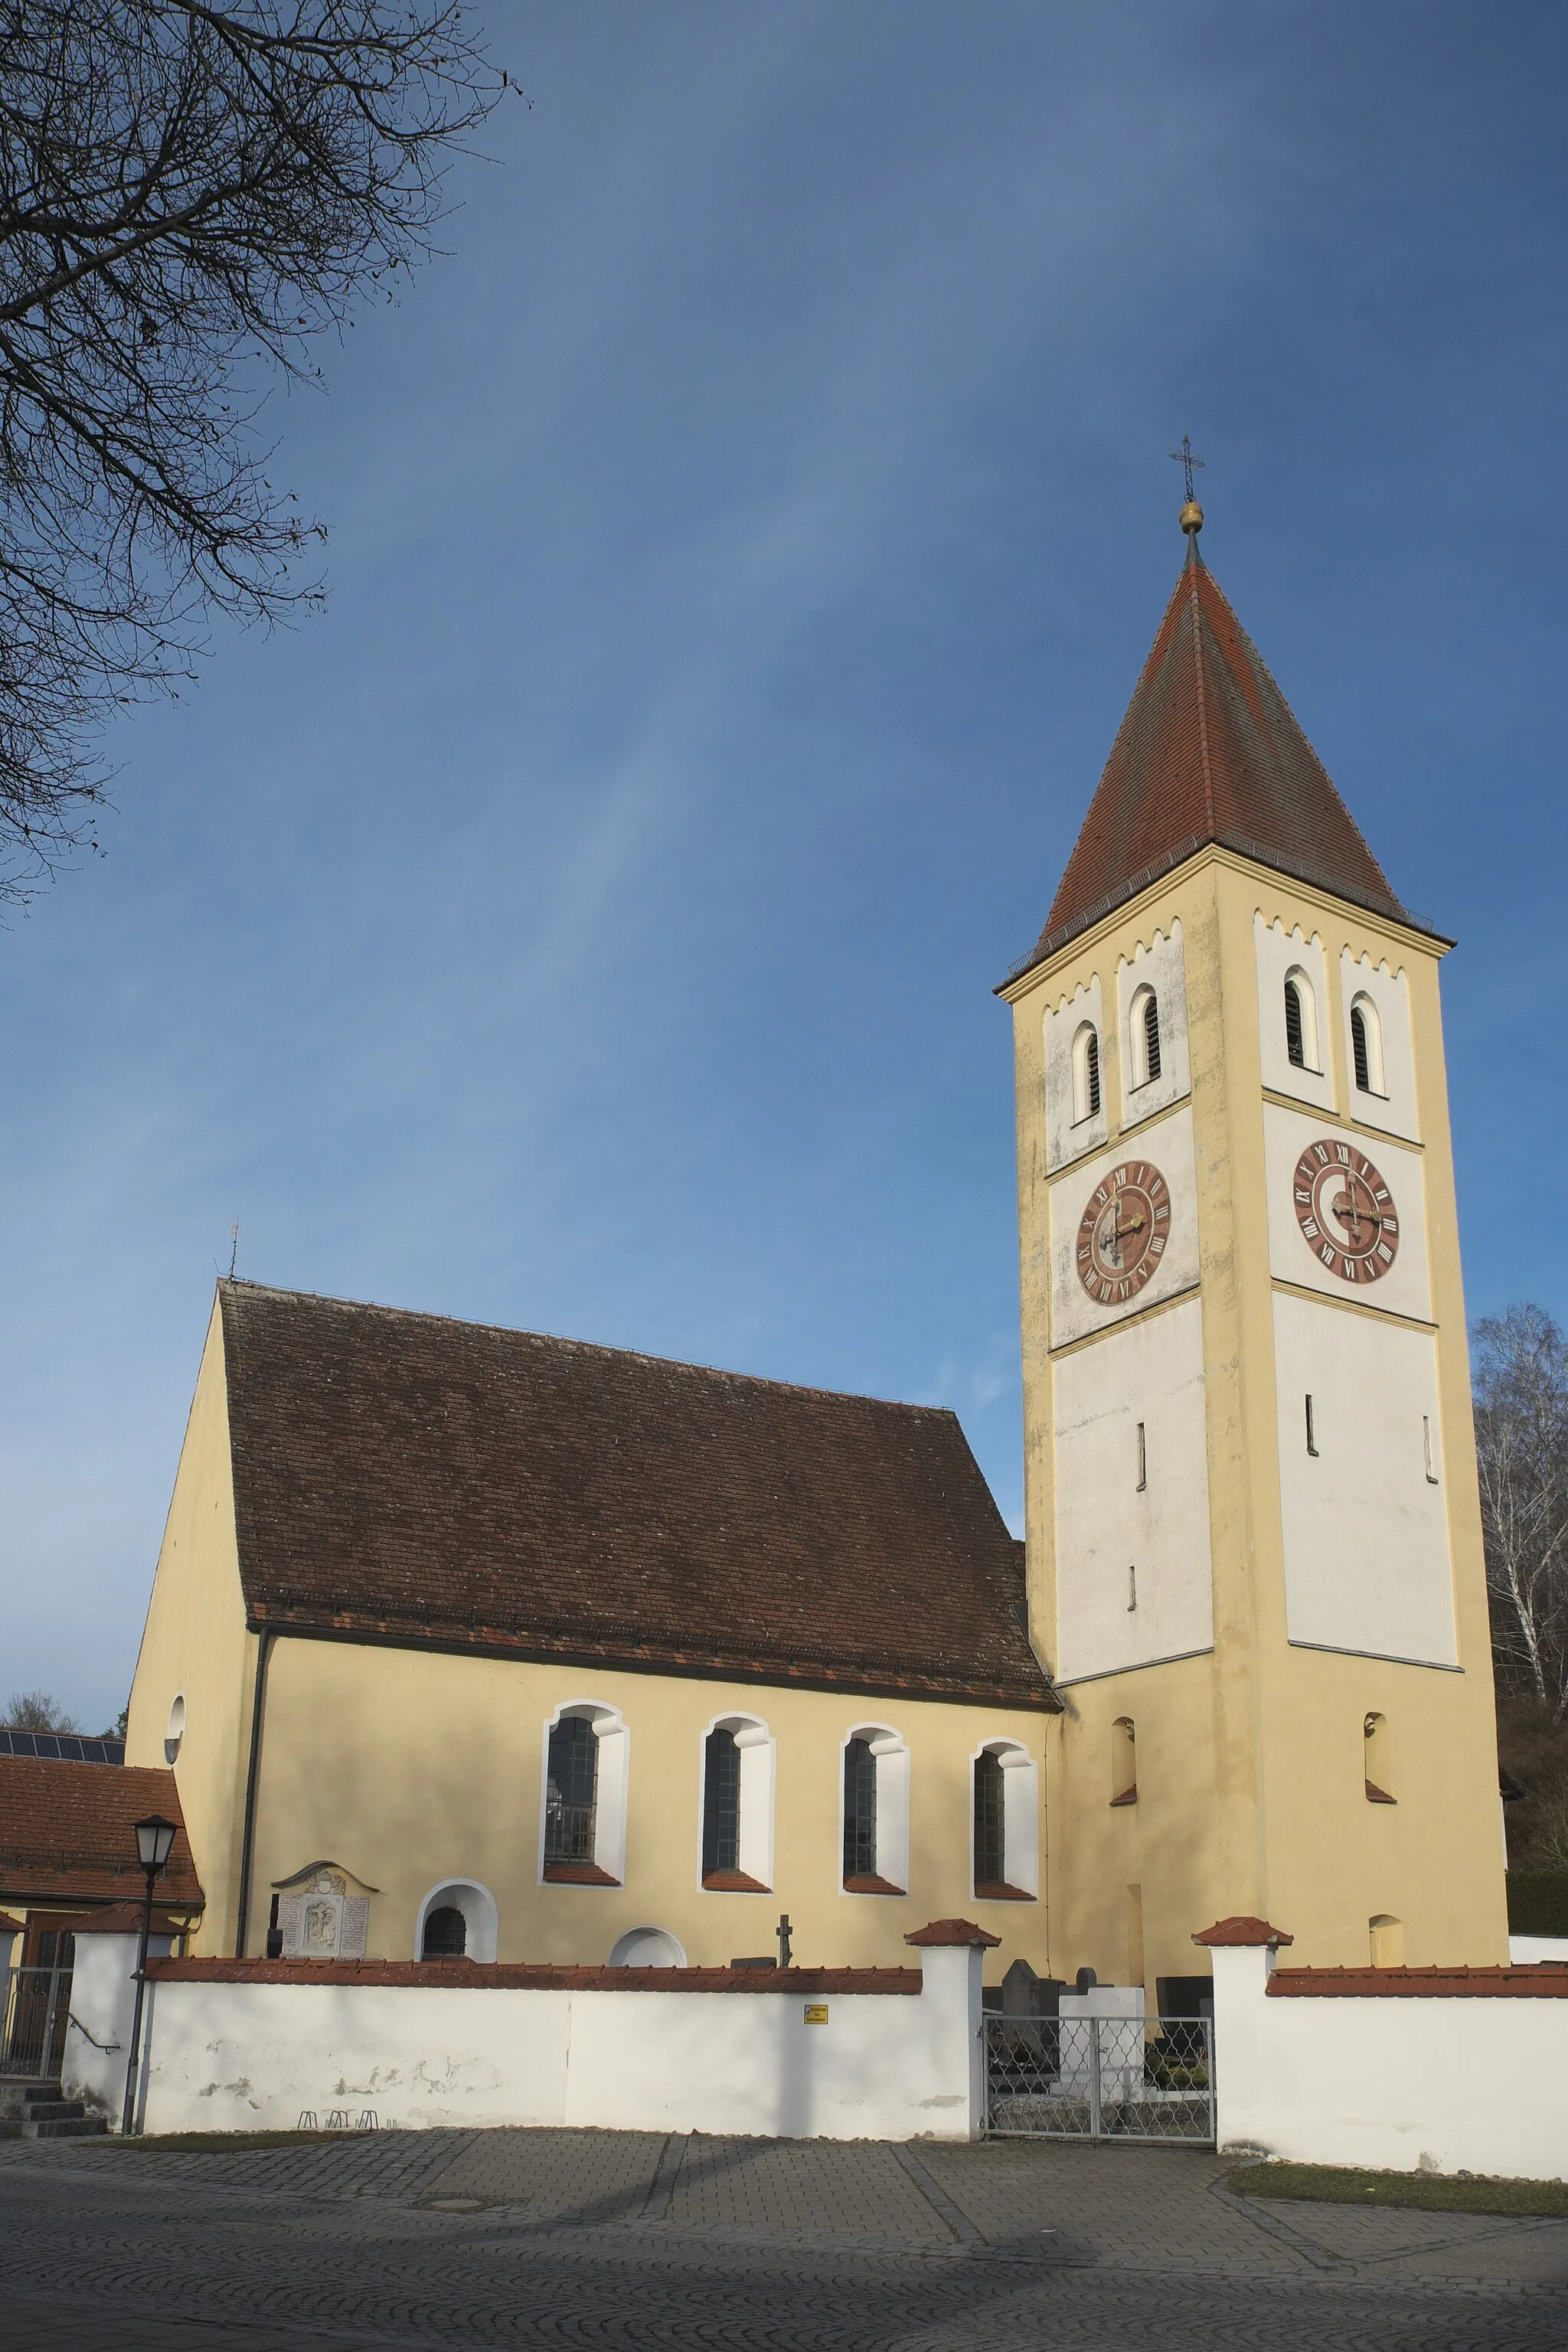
{"points": [[1192, 517]]}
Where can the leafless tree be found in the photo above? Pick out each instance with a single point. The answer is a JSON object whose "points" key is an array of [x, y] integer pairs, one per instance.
{"points": [[188, 194], [1522, 1433], [35, 1710]]}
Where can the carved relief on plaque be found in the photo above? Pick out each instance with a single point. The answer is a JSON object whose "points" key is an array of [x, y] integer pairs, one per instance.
{"points": [[322, 1914]]}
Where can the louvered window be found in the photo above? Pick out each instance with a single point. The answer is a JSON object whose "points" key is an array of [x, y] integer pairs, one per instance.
{"points": [[860, 1810], [1091, 1076], [1295, 1035], [1151, 1036], [1359, 1051], [570, 1791], [445, 1934], [720, 1803], [990, 1823]]}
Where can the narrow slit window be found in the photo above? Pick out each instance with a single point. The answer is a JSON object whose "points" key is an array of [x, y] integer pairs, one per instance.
{"points": [[1151, 1036], [1432, 1479], [1366, 1046], [1378, 1764], [1124, 1762], [1132, 1590], [720, 1803], [1143, 1460], [1311, 1428], [990, 1823], [1085, 1073], [860, 1810], [1358, 1048], [1295, 1030], [570, 1791]]}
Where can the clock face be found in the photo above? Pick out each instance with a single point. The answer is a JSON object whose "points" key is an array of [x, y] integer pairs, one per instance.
{"points": [[1123, 1232], [1345, 1211]]}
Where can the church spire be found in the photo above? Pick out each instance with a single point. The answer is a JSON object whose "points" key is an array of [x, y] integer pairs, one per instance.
{"points": [[1209, 752]]}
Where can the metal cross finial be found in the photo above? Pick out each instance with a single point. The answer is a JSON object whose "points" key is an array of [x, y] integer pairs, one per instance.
{"points": [[1187, 457]]}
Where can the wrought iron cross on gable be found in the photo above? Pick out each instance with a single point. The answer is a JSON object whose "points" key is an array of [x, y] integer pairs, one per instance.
{"points": [[1187, 457]]}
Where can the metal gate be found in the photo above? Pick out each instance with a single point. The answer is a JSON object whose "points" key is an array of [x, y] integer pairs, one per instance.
{"points": [[1123, 2078], [33, 2024]]}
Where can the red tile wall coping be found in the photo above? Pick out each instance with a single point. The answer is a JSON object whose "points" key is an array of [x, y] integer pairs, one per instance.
{"points": [[953, 1931], [1546, 1982], [1242, 1930], [473, 1976]]}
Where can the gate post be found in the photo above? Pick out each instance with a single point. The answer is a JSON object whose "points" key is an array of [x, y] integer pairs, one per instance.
{"points": [[1093, 2023], [952, 1953]]}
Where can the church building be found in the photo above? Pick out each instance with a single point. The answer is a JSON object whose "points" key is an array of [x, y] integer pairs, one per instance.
{"points": [[472, 1643]]}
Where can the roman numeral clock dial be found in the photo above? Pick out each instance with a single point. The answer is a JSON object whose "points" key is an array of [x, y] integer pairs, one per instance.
{"points": [[1345, 1211], [1123, 1231]]}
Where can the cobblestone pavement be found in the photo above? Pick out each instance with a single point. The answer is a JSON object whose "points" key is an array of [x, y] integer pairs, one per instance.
{"points": [[630, 2240]]}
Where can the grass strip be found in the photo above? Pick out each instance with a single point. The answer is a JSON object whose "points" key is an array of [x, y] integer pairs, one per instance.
{"points": [[1430, 2192]]}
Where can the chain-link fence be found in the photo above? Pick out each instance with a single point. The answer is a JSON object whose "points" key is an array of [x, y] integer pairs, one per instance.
{"points": [[1133, 2078]]}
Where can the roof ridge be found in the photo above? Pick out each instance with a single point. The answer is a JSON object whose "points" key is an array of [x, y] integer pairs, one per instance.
{"points": [[233, 1283]]}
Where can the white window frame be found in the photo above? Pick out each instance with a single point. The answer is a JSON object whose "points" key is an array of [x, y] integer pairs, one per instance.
{"points": [[624, 1946], [758, 1751], [614, 1736], [891, 1756], [478, 1906], [1020, 1816]]}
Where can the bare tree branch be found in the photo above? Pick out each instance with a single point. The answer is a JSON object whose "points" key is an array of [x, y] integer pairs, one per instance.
{"points": [[1521, 1438], [188, 194]]}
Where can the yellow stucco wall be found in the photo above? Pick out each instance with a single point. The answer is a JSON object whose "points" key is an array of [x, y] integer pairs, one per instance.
{"points": [[409, 1769], [195, 1643], [1251, 1771]]}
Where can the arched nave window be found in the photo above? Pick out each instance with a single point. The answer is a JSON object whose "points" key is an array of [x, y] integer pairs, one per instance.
{"points": [[582, 1834], [737, 1806], [1004, 1785], [876, 1832]]}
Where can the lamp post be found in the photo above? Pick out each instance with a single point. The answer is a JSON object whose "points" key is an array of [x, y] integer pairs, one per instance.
{"points": [[155, 1840]]}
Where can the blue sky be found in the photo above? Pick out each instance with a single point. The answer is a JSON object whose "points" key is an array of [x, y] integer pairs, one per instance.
{"points": [[744, 543]]}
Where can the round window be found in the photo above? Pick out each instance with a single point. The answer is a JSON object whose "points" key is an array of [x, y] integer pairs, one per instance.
{"points": [[176, 1731]]}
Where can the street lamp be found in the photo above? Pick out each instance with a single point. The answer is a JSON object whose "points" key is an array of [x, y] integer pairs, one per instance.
{"points": [[155, 1841]]}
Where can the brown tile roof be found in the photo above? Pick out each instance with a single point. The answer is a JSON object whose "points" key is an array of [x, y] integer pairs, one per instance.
{"points": [[415, 1478], [67, 1830], [953, 1931], [542, 1976], [1209, 752], [1539, 1983]]}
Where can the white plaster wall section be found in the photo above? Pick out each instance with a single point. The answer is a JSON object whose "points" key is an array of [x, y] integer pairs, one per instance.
{"points": [[1283, 955], [1391, 1103], [1133, 1574], [1158, 967], [226, 2057], [1365, 1520], [1071, 1127], [1168, 1148], [1414, 2082], [1404, 1289]]}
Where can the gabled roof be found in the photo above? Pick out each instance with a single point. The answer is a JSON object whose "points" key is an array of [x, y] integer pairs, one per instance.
{"points": [[1210, 750], [412, 1478], [67, 1829]]}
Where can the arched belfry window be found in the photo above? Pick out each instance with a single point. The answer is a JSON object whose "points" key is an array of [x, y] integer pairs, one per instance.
{"points": [[1144, 1039], [1295, 1042], [1300, 1023], [1085, 1073], [1366, 1046]]}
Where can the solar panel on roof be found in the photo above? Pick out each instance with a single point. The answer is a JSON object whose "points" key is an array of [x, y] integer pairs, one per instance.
{"points": [[60, 1747]]}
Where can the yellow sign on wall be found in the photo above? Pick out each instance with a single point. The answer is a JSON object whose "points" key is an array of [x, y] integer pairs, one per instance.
{"points": [[816, 2012]]}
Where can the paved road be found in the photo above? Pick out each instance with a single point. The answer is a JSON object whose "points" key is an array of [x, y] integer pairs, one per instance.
{"points": [[627, 2240]]}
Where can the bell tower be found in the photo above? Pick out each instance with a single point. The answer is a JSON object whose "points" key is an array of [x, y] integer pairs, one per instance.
{"points": [[1253, 1527]]}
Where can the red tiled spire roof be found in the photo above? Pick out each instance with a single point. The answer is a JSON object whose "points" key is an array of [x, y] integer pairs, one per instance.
{"points": [[1210, 750]]}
